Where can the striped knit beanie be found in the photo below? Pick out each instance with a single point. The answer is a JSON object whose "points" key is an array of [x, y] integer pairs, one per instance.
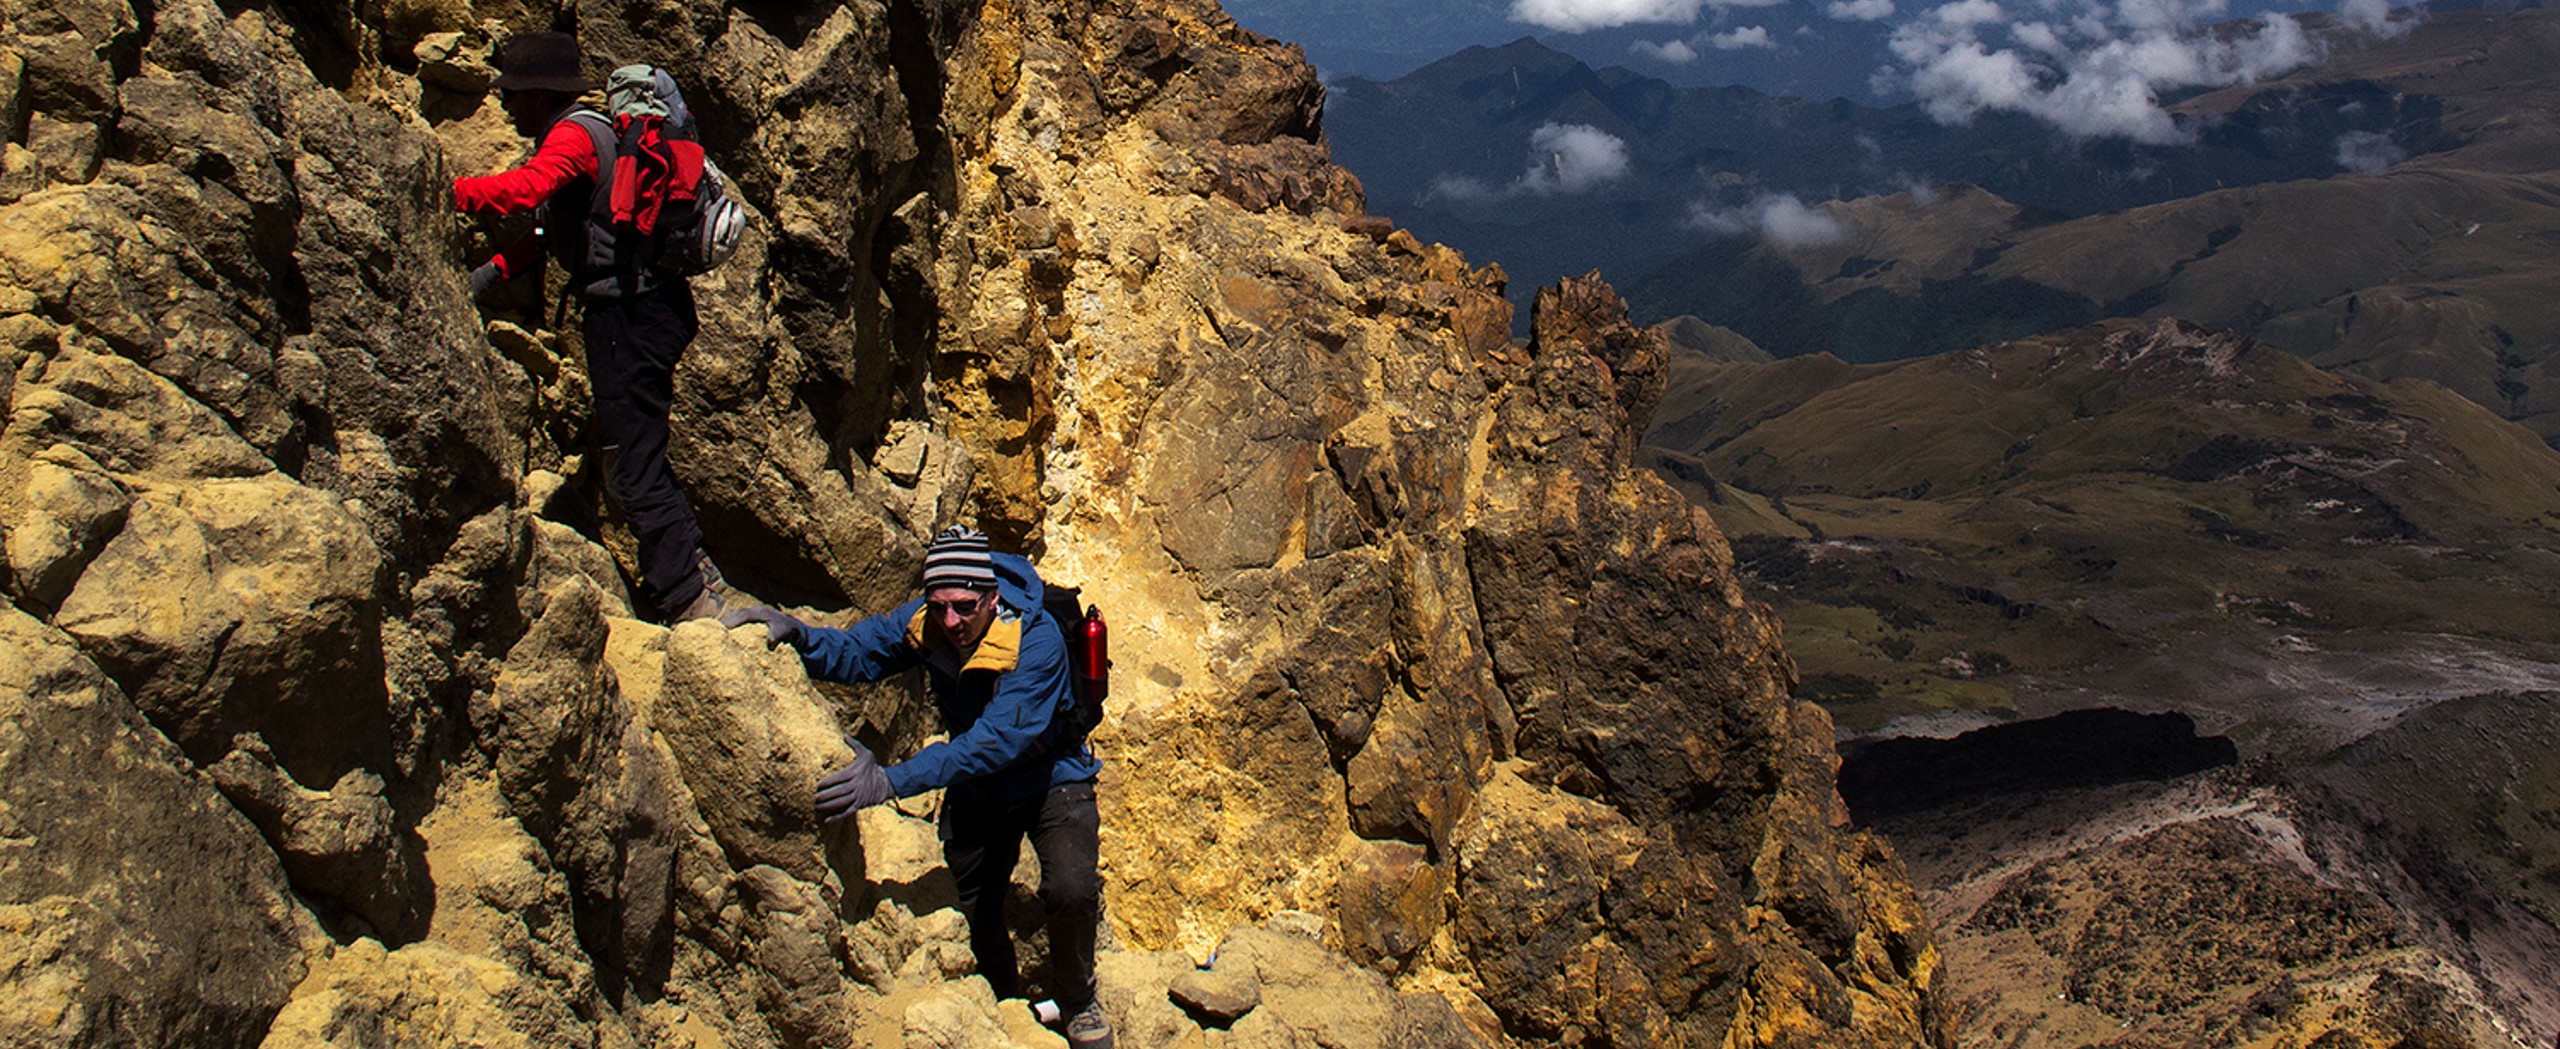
{"points": [[958, 557]]}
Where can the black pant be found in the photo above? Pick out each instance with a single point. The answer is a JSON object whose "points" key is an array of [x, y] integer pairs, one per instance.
{"points": [[983, 840], [633, 344]]}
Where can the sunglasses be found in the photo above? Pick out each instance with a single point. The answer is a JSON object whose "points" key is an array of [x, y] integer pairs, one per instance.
{"points": [[964, 608]]}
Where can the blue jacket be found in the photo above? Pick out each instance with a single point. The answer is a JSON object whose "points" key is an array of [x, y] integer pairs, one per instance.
{"points": [[998, 706]]}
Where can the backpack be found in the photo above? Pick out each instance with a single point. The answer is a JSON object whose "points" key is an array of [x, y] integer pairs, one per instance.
{"points": [[1088, 659], [660, 207]]}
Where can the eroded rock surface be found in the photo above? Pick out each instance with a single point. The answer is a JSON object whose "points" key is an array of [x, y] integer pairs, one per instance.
{"points": [[1434, 723]]}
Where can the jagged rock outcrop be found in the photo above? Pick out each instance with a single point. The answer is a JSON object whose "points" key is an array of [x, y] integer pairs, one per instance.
{"points": [[1446, 722]]}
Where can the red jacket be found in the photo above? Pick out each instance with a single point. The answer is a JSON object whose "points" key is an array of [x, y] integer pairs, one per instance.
{"points": [[564, 157]]}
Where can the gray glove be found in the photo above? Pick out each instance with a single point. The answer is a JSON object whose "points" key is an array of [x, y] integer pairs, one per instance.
{"points": [[854, 787], [779, 627], [482, 278]]}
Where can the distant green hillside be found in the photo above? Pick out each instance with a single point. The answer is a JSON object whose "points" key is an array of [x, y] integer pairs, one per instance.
{"points": [[2443, 267], [2151, 509]]}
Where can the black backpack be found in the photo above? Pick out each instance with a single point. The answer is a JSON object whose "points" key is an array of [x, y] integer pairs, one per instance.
{"points": [[1088, 659]]}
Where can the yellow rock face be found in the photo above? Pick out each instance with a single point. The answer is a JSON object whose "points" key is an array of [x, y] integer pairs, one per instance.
{"points": [[1429, 708]]}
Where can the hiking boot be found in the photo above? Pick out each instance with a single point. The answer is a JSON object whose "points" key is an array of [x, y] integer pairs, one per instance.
{"points": [[717, 595], [1089, 1029], [712, 580], [705, 605]]}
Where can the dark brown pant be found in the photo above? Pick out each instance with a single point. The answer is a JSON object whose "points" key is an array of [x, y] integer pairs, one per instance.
{"points": [[983, 840], [633, 344]]}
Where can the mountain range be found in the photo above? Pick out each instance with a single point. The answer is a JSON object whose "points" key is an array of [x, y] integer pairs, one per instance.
{"points": [[1797, 50], [2134, 509], [2388, 210], [1446, 150], [2437, 267]]}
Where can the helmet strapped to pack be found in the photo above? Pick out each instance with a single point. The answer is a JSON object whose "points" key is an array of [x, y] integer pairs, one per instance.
{"points": [[659, 207]]}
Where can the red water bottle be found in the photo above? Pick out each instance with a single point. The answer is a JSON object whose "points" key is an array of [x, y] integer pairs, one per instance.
{"points": [[1096, 685]]}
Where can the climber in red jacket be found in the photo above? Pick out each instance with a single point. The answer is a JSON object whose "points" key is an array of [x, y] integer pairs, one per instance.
{"points": [[637, 321]]}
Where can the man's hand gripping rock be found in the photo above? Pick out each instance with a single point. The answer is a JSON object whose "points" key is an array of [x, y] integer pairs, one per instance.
{"points": [[857, 786]]}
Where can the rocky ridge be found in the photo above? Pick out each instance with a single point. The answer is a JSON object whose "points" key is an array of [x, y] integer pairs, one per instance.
{"points": [[326, 722]]}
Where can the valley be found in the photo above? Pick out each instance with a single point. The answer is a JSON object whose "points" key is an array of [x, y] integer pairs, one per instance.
{"points": [[2104, 603]]}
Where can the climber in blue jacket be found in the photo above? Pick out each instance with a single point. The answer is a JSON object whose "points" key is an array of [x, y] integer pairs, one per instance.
{"points": [[1009, 769]]}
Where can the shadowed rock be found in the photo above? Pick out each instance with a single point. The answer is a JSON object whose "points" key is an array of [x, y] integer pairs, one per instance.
{"points": [[2080, 748]]}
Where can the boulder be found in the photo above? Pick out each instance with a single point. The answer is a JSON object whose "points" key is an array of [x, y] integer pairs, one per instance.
{"points": [[136, 905], [1577, 920], [591, 781], [499, 898], [343, 845], [964, 1014], [1304, 994], [751, 739], [243, 606], [1216, 999], [1393, 902], [794, 959], [63, 511], [421, 996]]}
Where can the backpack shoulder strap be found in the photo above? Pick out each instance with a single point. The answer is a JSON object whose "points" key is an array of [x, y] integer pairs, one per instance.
{"points": [[599, 129], [599, 262]]}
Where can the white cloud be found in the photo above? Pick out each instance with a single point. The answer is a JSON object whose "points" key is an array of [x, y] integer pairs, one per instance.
{"points": [[2368, 152], [1749, 36], [1573, 158], [1778, 219], [2374, 16], [1574, 16], [1563, 159], [2097, 72], [2039, 37], [1860, 10], [1968, 13], [1676, 52], [2170, 16], [1462, 190]]}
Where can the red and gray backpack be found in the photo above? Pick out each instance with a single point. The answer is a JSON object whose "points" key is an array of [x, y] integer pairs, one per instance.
{"points": [[660, 207]]}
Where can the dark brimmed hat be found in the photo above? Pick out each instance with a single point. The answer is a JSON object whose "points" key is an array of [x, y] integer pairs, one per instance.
{"points": [[542, 62], [958, 557]]}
